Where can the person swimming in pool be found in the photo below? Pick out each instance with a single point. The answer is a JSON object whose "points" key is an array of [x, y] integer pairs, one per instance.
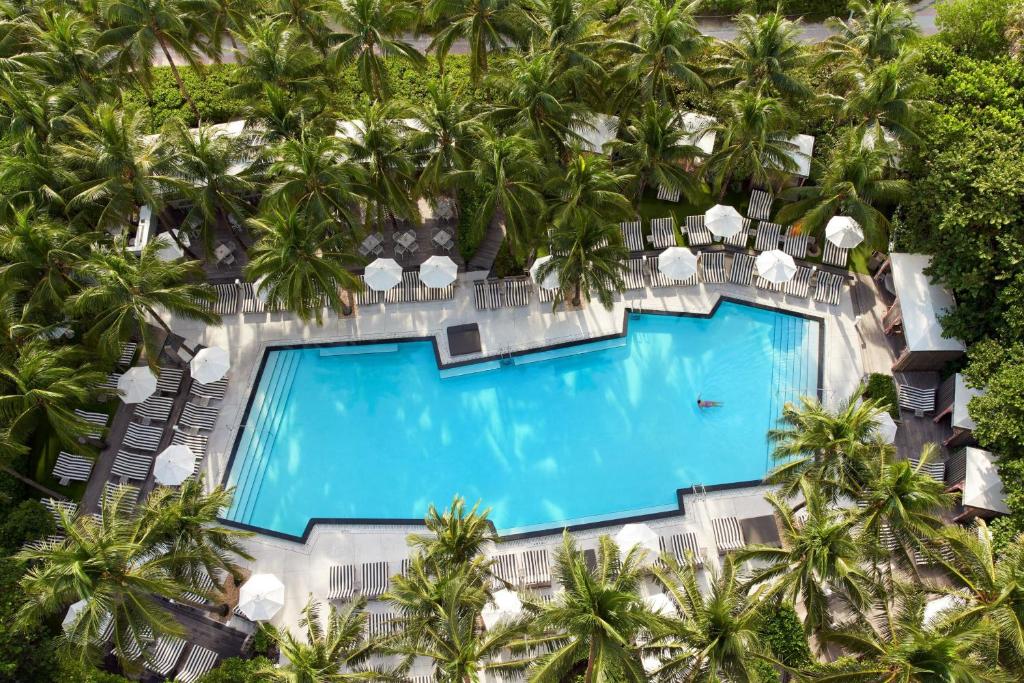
{"points": [[708, 404]]}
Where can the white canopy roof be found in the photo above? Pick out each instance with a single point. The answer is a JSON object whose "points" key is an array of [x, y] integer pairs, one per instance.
{"points": [[601, 130], [962, 395], [693, 122], [802, 154], [353, 130], [922, 304], [982, 486]]}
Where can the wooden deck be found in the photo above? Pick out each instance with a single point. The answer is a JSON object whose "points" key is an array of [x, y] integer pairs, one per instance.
{"points": [[487, 250]]}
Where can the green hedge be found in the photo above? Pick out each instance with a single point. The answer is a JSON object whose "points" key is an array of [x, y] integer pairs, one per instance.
{"points": [[883, 388], [808, 8], [235, 670]]}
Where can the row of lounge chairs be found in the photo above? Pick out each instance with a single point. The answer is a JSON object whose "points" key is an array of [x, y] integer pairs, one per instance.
{"points": [[494, 293], [374, 577], [410, 289]]}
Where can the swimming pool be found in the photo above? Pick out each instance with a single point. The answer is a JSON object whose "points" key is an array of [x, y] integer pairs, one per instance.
{"points": [[594, 431]]}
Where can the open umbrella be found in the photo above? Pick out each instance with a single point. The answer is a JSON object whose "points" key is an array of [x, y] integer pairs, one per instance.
{"points": [[775, 266], [677, 263], [885, 427], [210, 365], [382, 274], [844, 232], [169, 249], [136, 385], [550, 281], [261, 597], [633, 535], [175, 464], [505, 604], [723, 221], [438, 271]]}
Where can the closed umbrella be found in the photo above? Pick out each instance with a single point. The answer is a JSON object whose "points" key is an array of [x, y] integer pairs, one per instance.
{"points": [[633, 535], [677, 263], [71, 618], [886, 427], [174, 465], [438, 271], [844, 232], [136, 385], [723, 221], [383, 274], [775, 266], [505, 604], [261, 597], [550, 280], [210, 365]]}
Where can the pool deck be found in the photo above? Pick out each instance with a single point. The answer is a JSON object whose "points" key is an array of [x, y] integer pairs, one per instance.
{"points": [[849, 352]]}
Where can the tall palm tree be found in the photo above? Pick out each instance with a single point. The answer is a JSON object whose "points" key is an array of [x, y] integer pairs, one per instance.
{"points": [[128, 292], [884, 99], [301, 263], [308, 16], [65, 50], [335, 651], [656, 152], [588, 259], [819, 560], [852, 181], [224, 19], [280, 114], [371, 35], [575, 32], [829, 449], [277, 54], [39, 256], [486, 25], [32, 175], [455, 537], [766, 57], [589, 186], [445, 144], [877, 30], [716, 634], [596, 619]]}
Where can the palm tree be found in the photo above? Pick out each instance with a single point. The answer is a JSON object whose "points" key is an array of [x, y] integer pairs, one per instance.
{"points": [[596, 619], [487, 25], [829, 449], [716, 635], [224, 18], [766, 57], [573, 31], [883, 100], [128, 292], [39, 256], [444, 146], [277, 54], [32, 176], [301, 263], [138, 27], [588, 258], [280, 114], [308, 16], [875, 31], [332, 652], [455, 537], [853, 180], [370, 37], [819, 559], [656, 152], [588, 187], [65, 51]]}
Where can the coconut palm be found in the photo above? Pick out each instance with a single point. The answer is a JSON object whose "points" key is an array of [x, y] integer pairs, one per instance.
{"points": [[852, 181], [716, 635], [588, 259], [372, 35], [445, 144], [107, 561], [596, 619], [65, 51], [277, 54], [335, 651], [766, 57], [39, 256], [32, 108], [487, 25], [32, 175], [128, 292], [575, 33], [877, 30], [656, 152], [829, 449], [224, 19], [280, 114], [589, 186], [455, 537], [308, 16], [301, 263], [819, 561], [883, 99]]}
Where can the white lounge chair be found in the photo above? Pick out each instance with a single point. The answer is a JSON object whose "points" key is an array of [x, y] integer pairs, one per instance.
{"points": [[742, 269], [342, 582], [142, 437], [663, 233], [198, 662], [684, 548], [920, 401], [728, 534], [697, 234], [71, 467], [668, 194], [712, 267], [375, 579], [760, 207], [768, 236], [536, 571], [154, 409], [168, 380], [128, 465], [194, 417], [632, 235], [214, 391], [517, 291]]}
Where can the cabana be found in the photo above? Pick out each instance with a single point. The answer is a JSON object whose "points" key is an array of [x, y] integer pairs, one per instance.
{"points": [[598, 132], [913, 318], [973, 473], [954, 395]]}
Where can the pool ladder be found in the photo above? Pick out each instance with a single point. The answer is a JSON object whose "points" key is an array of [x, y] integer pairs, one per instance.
{"points": [[699, 492], [506, 356]]}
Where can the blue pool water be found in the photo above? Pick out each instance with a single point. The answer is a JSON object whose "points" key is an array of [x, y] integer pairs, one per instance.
{"points": [[594, 431]]}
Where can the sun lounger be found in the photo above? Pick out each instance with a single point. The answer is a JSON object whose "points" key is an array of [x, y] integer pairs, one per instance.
{"points": [[109, 385], [251, 302], [96, 419], [56, 506], [168, 380], [380, 624], [375, 579], [142, 437], [71, 467], [405, 566], [227, 299], [481, 296], [205, 584], [546, 296], [712, 267], [800, 285], [195, 442], [132, 645], [343, 582], [632, 235], [658, 279], [796, 245], [367, 296], [766, 285], [198, 417], [728, 535], [505, 569], [667, 194], [828, 288], [935, 470], [742, 269], [741, 237], [697, 234], [128, 350], [760, 207], [663, 233], [768, 236], [154, 409], [536, 571], [50, 542], [128, 465], [517, 291], [835, 256], [920, 401], [633, 278], [214, 391], [165, 654], [110, 489], [684, 548], [446, 293], [198, 662]]}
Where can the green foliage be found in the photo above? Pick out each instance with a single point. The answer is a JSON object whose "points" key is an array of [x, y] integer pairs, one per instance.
{"points": [[808, 8], [83, 673], [28, 521], [209, 91], [974, 27], [468, 238], [782, 631], [28, 654], [263, 640], [235, 670], [883, 388]]}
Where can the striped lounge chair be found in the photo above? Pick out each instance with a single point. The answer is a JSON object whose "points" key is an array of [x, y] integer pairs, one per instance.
{"points": [[131, 493], [517, 291], [760, 207], [198, 662], [742, 269], [835, 256], [109, 385], [251, 301], [742, 236], [663, 233], [684, 548], [98, 420], [828, 288], [800, 285], [70, 467], [204, 393], [142, 437], [768, 236], [712, 267], [168, 380], [668, 194], [446, 293], [934, 469], [154, 409], [796, 245], [195, 442], [342, 582], [375, 579], [381, 624], [226, 302], [633, 278], [766, 285], [658, 279], [728, 534], [366, 295], [128, 350], [56, 507], [632, 235], [536, 570], [195, 418], [165, 655], [697, 234], [920, 401], [128, 465]]}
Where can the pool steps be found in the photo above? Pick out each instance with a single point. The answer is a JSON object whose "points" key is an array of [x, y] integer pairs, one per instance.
{"points": [[794, 363], [357, 350]]}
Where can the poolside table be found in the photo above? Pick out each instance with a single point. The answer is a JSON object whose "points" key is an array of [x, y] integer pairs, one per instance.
{"points": [[406, 239], [441, 237], [370, 242], [464, 339]]}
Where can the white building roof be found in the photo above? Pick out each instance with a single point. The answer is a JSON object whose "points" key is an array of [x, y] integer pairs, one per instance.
{"points": [[693, 123], [599, 131], [922, 303], [983, 488], [962, 395], [801, 156]]}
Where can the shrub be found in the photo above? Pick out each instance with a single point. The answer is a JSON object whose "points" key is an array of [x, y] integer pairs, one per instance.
{"points": [[974, 27], [27, 654], [209, 91], [808, 8], [782, 632], [27, 522], [235, 670], [882, 388]]}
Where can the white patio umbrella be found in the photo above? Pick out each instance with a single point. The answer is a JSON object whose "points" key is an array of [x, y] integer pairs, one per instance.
{"points": [[677, 263], [844, 232], [261, 597], [659, 603], [633, 535], [136, 385], [775, 266], [71, 617], [885, 426], [723, 221], [169, 249], [550, 281], [438, 271], [504, 605], [210, 365], [383, 274], [175, 464]]}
